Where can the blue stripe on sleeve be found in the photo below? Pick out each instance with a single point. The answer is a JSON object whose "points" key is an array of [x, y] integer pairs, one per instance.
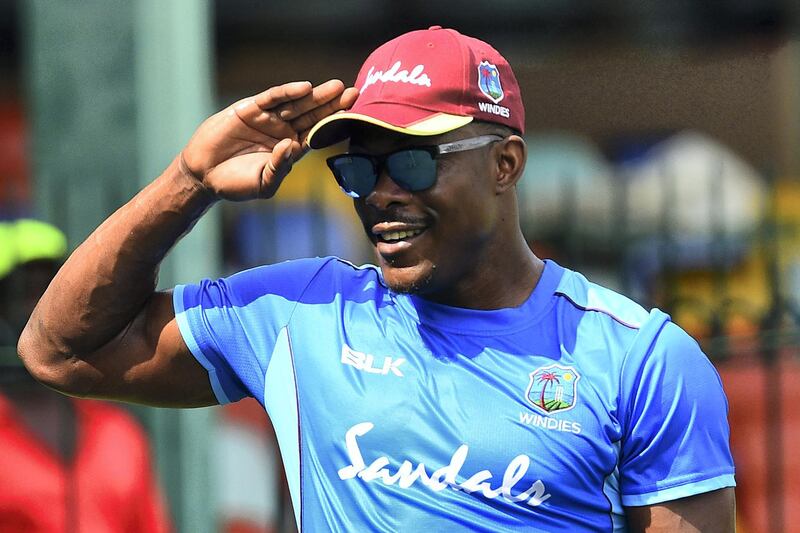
{"points": [[194, 347], [681, 491]]}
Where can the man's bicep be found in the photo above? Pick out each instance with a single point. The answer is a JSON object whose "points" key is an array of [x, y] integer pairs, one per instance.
{"points": [[710, 512], [150, 363]]}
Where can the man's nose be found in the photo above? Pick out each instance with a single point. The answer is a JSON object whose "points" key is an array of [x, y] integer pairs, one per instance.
{"points": [[387, 192]]}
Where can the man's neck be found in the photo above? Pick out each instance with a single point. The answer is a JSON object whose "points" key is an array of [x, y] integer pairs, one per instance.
{"points": [[499, 280]]}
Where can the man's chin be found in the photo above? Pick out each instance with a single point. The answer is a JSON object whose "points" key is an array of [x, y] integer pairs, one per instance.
{"points": [[414, 279]]}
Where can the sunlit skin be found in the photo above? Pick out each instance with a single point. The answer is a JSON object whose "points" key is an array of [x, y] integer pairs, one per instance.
{"points": [[471, 252]]}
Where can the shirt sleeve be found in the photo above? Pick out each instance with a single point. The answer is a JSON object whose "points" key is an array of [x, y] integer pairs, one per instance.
{"points": [[676, 435], [231, 324]]}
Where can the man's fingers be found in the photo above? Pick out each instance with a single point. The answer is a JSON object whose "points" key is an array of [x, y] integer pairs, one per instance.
{"points": [[320, 95], [348, 98], [280, 94], [311, 117], [300, 148], [280, 153], [266, 122], [277, 167], [271, 111]]}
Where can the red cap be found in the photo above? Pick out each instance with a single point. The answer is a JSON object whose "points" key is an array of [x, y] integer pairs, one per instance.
{"points": [[428, 82]]}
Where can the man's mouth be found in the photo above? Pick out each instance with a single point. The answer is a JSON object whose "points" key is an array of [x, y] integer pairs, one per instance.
{"points": [[392, 238], [395, 236]]}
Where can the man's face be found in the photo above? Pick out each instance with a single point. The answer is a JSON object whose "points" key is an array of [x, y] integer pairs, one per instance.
{"points": [[427, 242]]}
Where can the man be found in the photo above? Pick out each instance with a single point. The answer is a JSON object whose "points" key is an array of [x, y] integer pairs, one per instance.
{"points": [[463, 383], [67, 465]]}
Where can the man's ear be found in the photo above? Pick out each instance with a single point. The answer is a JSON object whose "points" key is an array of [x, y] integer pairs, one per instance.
{"points": [[510, 156]]}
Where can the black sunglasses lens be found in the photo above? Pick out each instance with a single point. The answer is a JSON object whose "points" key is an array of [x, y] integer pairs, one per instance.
{"points": [[414, 170], [354, 174]]}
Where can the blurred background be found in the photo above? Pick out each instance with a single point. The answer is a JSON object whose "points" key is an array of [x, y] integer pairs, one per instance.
{"points": [[664, 162]]}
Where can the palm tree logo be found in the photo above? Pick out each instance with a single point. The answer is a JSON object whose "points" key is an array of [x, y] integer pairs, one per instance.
{"points": [[553, 388], [489, 81], [546, 378]]}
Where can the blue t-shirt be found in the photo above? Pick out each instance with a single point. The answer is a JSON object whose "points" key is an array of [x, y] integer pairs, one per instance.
{"points": [[394, 413]]}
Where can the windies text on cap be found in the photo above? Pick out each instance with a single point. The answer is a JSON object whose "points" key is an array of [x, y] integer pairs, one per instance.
{"points": [[494, 109]]}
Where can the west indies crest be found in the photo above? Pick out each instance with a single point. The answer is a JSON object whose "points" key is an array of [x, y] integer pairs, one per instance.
{"points": [[553, 388], [489, 81]]}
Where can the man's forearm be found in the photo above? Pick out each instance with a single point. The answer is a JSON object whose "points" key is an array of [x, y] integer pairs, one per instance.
{"points": [[109, 277], [100, 330]]}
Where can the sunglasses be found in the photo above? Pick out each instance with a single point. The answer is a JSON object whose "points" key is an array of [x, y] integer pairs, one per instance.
{"points": [[412, 168]]}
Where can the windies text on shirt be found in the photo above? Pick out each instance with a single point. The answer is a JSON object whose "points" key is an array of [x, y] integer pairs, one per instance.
{"points": [[535, 420]]}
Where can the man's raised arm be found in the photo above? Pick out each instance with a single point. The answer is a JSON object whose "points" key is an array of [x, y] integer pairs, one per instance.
{"points": [[101, 330]]}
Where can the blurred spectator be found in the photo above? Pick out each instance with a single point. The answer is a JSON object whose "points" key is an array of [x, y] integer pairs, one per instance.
{"points": [[67, 465], [30, 254]]}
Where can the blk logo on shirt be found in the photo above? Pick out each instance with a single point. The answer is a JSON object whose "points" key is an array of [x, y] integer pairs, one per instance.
{"points": [[369, 363]]}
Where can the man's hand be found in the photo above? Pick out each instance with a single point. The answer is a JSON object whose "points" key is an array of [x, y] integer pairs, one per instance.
{"points": [[245, 150]]}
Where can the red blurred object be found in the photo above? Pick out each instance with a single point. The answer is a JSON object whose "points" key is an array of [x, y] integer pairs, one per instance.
{"points": [[249, 413], [243, 526], [107, 487], [753, 389], [14, 183]]}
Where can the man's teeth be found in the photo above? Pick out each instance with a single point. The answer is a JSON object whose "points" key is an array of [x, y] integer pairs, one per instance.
{"points": [[398, 235]]}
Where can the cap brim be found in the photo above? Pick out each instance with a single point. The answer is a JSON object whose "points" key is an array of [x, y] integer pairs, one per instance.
{"points": [[337, 127]]}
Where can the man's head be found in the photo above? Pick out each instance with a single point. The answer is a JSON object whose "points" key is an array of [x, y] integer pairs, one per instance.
{"points": [[429, 82], [32, 252], [434, 155]]}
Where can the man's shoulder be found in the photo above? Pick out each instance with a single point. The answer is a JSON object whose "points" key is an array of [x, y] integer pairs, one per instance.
{"points": [[275, 290], [319, 280], [330, 272], [589, 297], [643, 335]]}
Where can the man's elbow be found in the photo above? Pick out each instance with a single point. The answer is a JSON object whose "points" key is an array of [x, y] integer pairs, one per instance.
{"points": [[51, 366]]}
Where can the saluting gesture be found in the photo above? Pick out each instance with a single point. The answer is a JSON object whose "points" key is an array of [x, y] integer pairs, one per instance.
{"points": [[245, 150]]}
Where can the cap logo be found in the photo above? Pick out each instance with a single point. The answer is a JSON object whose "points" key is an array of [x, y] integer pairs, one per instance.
{"points": [[489, 81], [394, 74]]}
